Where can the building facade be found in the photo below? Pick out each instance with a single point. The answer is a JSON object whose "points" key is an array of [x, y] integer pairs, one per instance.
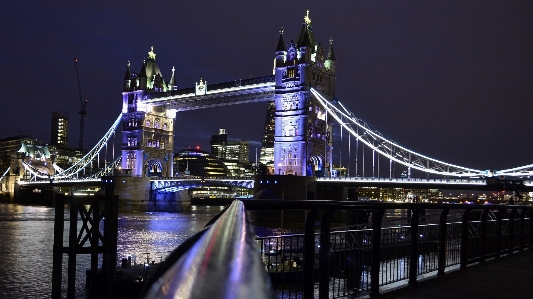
{"points": [[148, 131], [59, 128], [302, 138]]}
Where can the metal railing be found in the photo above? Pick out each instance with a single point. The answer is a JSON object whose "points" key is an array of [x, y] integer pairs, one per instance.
{"points": [[352, 262], [222, 261], [328, 263]]}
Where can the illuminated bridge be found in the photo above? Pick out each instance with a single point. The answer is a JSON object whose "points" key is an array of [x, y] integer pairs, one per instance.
{"points": [[302, 90]]}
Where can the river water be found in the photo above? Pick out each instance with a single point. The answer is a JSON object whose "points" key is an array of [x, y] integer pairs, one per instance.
{"points": [[26, 242]]}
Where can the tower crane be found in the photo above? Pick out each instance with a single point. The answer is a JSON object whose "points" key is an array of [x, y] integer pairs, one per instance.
{"points": [[83, 103]]}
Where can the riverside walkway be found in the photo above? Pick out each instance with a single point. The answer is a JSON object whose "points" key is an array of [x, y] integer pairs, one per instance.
{"points": [[507, 277]]}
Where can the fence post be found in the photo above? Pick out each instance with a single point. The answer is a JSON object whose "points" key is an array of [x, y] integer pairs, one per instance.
{"points": [[309, 254], [522, 226], [413, 260], [377, 216], [531, 228], [499, 217], [511, 231], [323, 290], [443, 235], [464, 239], [482, 252]]}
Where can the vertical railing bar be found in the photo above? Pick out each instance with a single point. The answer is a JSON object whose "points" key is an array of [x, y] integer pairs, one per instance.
{"points": [[309, 254], [443, 235], [499, 232], [413, 258], [376, 244], [522, 224], [323, 290], [464, 238], [511, 231], [483, 241]]}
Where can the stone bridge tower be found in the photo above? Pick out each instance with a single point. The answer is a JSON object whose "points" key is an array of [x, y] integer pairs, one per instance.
{"points": [[303, 133], [147, 131]]}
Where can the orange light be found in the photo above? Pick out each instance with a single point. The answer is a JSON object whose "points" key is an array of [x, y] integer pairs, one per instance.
{"points": [[197, 147]]}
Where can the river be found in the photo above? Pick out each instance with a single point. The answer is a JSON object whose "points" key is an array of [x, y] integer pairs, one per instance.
{"points": [[26, 242]]}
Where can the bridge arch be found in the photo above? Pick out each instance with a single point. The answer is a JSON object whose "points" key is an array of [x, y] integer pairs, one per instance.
{"points": [[154, 168]]}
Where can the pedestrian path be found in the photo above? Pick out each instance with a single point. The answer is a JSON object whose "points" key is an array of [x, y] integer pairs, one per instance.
{"points": [[507, 277]]}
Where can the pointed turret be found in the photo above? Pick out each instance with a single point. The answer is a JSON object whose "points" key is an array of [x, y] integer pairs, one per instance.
{"points": [[281, 43], [306, 37], [142, 76], [127, 78], [331, 53], [172, 84]]}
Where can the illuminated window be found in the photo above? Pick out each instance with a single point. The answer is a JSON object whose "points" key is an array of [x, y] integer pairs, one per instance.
{"points": [[290, 73]]}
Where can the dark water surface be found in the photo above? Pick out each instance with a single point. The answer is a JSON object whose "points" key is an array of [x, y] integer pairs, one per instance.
{"points": [[26, 242]]}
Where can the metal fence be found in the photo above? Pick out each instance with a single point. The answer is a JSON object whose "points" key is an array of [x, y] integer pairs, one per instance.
{"points": [[337, 263], [355, 262]]}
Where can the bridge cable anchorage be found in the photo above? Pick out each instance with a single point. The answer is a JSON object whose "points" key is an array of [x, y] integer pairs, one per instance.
{"points": [[376, 141], [90, 156]]}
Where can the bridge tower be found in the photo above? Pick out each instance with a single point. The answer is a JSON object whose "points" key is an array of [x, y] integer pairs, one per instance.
{"points": [[147, 132], [302, 141]]}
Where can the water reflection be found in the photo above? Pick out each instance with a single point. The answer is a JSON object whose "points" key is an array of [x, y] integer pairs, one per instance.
{"points": [[27, 242]]}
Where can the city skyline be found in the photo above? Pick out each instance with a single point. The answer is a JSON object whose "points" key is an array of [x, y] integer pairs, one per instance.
{"points": [[451, 80]]}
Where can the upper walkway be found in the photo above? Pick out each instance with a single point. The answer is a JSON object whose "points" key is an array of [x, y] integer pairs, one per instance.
{"points": [[506, 277]]}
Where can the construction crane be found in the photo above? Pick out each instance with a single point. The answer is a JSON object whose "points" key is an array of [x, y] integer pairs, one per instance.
{"points": [[83, 103]]}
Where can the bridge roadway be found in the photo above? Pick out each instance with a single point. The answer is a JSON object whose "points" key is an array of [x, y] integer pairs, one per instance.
{"points": [[176, 184], [506, 277]]}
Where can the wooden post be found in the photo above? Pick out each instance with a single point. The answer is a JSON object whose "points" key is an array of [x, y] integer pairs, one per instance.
{"points": [[95, 228], [72, 243], [57, 264]]}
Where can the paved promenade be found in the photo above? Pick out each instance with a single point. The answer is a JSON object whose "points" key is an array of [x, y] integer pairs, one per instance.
{"points": [[508, 277]]}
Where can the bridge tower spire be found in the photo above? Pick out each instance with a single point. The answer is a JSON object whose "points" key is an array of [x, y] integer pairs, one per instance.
{"points": [[147, 134], [302, 141]]}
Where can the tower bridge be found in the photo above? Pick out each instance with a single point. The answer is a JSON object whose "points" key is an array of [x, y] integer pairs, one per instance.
{"points": [[302, 90]]}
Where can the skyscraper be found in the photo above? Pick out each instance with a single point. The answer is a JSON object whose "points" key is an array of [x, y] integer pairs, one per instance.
{"points": [[235, 154], [59, 129], [267, 145]]}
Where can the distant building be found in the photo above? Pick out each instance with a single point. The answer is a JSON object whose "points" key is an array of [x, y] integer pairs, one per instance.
{"points": [[219, 143], [59, 129], [199, 163], [9, 146], [267, 144], [234, 154]]}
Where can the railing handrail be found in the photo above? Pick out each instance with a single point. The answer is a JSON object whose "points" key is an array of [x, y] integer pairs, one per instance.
{"points": [[223, 263]]}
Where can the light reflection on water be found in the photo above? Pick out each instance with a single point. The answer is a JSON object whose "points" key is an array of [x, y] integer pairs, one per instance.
{"points": [[26, 234]]}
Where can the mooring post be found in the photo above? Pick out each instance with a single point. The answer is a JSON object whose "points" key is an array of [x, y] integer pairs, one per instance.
{"points": [[57, 264]]}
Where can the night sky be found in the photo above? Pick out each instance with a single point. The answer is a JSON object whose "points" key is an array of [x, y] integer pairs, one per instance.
{"points": [[449, 79]]}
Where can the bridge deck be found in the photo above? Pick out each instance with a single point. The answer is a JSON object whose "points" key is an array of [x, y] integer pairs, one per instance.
{"points": [[508, 277]]}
